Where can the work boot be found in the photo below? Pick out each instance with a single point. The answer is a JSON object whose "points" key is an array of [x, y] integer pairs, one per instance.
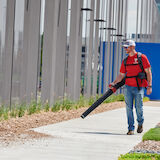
{"points": [[140, 129], [130, 132]]}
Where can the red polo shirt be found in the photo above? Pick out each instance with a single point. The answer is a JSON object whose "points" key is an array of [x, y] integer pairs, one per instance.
{"points": [[133, 70]]}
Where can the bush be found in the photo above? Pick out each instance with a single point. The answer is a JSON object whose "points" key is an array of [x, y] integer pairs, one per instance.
{"points": [[32, 108], [46, 107], [67, 104], [91, 100], [145, 99], [120, 97], [82, 102], [56, 107], [13, 112], [5, 114], [1, 111], [21, 110], [39, 106], [110, 99]]}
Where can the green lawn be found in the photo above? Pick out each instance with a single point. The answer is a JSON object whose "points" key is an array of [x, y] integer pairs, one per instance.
{"points": [[152, 134], [139, 156]]}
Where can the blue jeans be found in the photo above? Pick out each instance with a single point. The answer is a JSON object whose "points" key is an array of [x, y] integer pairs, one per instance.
{"points": [[130, 94]]}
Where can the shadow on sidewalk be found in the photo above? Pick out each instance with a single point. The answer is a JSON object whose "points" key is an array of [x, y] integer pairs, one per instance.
{"points": [[104, 133]]}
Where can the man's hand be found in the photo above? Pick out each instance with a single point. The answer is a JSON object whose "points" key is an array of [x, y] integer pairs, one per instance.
{"points": [[111, 85], [118, 79], [149, 90]]}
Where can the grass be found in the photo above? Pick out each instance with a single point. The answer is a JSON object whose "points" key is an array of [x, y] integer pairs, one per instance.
{"points": [[152, 134], [67, 104], [91, 100], [56, 107], [14, 112], [1, 111], [19, 110], [5, 114], [145, 99], [32, 108], [82, 102], [46, 107], [139, 156]]}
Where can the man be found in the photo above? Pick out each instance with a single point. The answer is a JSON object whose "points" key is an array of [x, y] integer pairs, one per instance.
{"points": [[134, 85]]}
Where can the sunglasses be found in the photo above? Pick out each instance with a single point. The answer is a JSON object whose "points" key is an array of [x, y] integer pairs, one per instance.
{"points": [[126, 47]]}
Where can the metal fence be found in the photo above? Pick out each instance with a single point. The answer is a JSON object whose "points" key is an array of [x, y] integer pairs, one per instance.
{"points": [[51, 49]]}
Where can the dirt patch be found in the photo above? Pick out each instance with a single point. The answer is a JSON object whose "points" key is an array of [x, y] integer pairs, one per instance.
{"points": [[149, 146], [18, 129]]}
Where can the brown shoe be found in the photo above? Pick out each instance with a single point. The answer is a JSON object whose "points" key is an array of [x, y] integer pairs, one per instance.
{"points": [[130, 132], [140, 129]]}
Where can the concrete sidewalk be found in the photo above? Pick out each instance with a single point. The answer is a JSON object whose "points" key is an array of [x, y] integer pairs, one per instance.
{"points": [[97, 137]]}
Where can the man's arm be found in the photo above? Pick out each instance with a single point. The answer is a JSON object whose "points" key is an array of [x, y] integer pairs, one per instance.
{"points": [[149, 79], [118, 79]]}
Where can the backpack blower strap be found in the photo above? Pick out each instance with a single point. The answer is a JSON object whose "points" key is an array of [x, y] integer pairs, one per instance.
{"points": [[142, 75], [136, 80]]}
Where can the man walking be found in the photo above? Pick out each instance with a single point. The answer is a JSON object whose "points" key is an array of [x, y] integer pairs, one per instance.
{"points": [[137, 70]]}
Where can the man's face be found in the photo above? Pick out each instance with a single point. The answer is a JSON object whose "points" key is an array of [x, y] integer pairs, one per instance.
{"points": [[129, 49]]}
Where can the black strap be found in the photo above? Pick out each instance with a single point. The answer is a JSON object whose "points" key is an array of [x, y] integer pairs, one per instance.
{"points": [[131, 64], [137, 83], [136, 80], [139, 57], [139, 61]]}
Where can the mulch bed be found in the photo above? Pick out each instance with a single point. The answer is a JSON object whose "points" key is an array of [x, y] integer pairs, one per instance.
{"points": [[17, 130]]}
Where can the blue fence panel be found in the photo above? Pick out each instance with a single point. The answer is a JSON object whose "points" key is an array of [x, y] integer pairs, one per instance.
{"points": [[152, 51]]}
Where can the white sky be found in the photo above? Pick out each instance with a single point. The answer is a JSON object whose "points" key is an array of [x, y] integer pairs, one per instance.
{"points": [[132, 16]]}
